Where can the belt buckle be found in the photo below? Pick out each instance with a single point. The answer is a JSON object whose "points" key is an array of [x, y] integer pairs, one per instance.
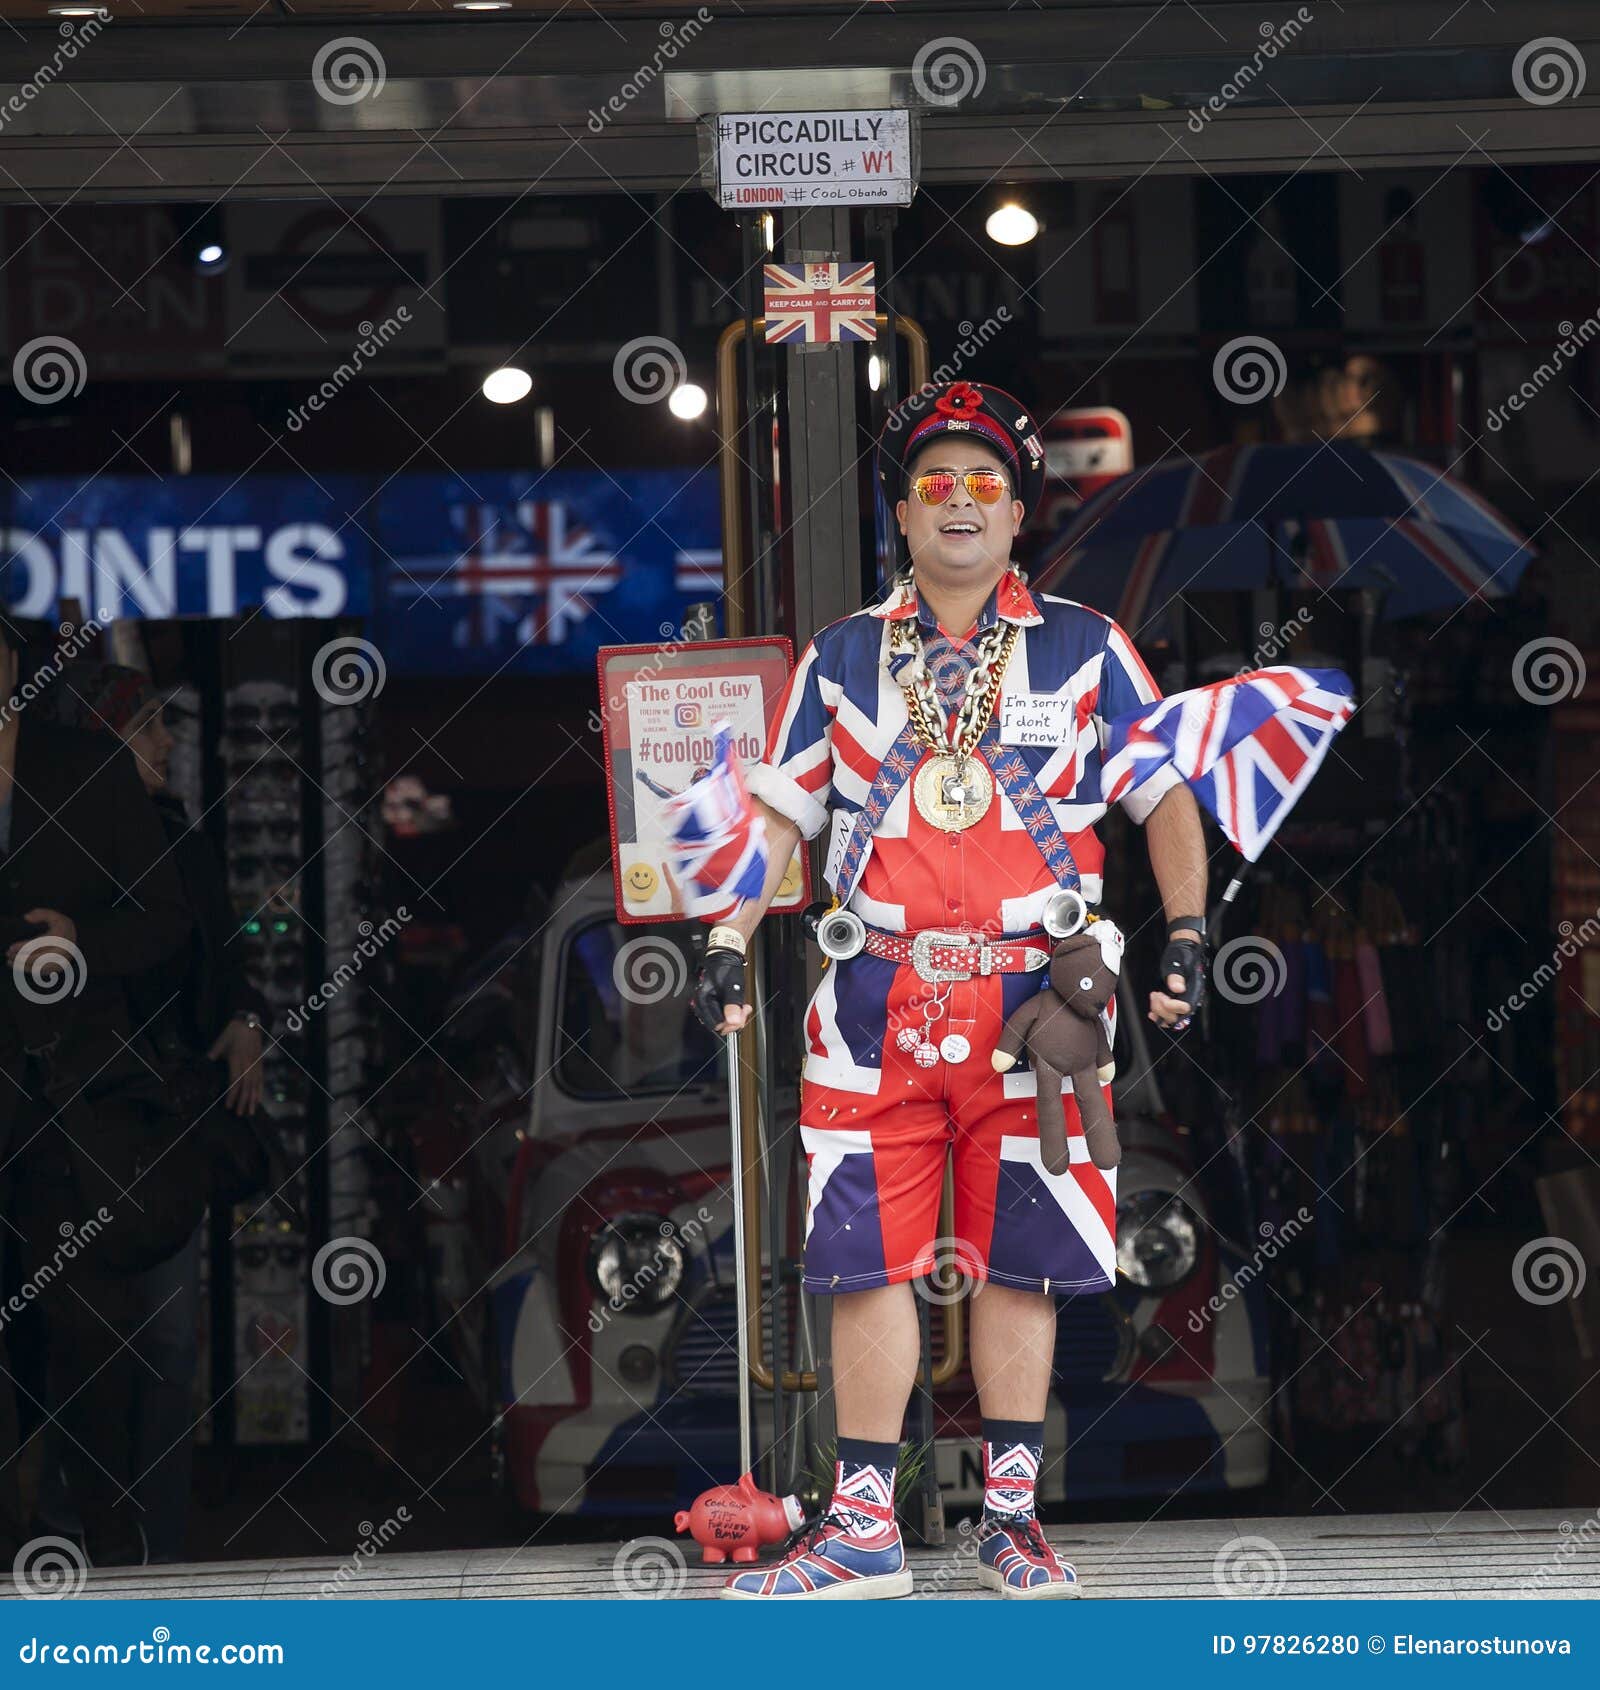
{"points": [[922, 948]]}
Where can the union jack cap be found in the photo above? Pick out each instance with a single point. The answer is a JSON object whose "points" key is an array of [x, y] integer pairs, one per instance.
{"points": [[968, 407]]}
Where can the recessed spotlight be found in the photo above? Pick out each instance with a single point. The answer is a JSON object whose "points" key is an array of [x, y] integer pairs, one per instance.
{"points": [[73, 11], [481, 5], [874, 371], [687, 400], [507, 385], [210, 254], [1012, 225]]}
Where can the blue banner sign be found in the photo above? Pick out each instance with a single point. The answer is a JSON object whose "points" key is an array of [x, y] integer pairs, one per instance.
{"points": [[507, 571]]}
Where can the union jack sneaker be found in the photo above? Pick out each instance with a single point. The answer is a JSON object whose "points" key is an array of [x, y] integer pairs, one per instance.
{"points": [[1015, 1559], [852, 1550]]}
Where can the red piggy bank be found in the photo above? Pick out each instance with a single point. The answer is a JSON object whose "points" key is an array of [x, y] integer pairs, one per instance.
{"points": [[733, 1522]]}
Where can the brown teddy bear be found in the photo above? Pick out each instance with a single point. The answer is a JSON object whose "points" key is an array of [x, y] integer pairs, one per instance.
{"points": [[1060, 1027]]}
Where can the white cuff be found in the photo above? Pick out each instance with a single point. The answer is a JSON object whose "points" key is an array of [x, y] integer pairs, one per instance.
{"points": [[1139, 803], [788, 797]]}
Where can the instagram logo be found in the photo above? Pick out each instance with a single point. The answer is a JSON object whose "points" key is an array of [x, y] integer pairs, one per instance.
{"points": [[686, 715]]}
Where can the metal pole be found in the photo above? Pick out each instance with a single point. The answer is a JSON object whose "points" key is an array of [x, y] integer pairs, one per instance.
{"points": [[740, 1270]]}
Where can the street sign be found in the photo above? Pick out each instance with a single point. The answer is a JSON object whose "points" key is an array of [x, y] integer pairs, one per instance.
{"points": [[813, 158]]}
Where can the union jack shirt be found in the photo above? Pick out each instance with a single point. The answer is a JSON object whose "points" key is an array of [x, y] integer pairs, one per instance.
{"points": [[840, 739]]}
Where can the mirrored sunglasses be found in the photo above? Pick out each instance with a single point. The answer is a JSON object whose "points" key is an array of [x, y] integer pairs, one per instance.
{"points": [[987, 486]]}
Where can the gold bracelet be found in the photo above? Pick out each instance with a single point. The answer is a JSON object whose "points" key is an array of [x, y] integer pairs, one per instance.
{"points": [[725, 939]]}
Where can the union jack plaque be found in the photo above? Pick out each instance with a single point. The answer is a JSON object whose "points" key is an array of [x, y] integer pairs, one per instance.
{"points": [[819, 302]]}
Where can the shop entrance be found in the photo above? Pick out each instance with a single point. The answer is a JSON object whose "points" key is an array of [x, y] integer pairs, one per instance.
{"points": [[1353, 1171]]}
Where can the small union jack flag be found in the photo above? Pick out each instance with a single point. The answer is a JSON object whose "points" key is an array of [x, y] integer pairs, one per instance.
{"points": [[1247, 746], [817, 302], [720, 838]]}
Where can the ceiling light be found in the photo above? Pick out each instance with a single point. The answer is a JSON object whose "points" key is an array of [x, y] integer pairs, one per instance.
{"points": [[72, 11], [1012, 225], [687, 400], [507, 385], [201, 237], [481, 5], [874, 371]]}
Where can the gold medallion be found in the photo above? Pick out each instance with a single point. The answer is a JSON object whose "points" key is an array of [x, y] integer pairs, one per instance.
{"points": [[953, 793]]}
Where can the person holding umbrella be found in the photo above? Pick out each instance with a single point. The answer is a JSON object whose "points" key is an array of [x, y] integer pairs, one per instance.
{"points": [[951, 739]]}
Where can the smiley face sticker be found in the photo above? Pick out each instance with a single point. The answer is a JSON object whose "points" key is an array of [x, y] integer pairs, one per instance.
{"points": [[639, 884], [789, 886]]}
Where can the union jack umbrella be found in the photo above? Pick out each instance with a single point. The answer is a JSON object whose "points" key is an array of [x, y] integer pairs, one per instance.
{"points": [[1320, 516], [719, 835], [806, 302], [1247, 746]]}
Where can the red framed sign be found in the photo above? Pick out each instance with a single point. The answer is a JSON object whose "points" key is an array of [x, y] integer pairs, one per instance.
{"points": [[658, 706]]}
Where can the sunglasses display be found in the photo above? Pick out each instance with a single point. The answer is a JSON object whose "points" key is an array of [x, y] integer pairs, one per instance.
{"points": [[282, 830], [272, 718], [987, 486]]}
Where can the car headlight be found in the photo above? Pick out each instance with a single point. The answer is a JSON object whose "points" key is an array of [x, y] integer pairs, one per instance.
{"points": [[1158, 1239], [636, 1263]]}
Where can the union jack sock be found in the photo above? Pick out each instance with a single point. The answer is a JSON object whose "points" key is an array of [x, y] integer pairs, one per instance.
{"points": [[863, 1486], [1013, 1556], [1012, 1451]]}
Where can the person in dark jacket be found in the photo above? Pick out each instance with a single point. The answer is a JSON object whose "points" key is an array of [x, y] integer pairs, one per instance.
{"points": [[89, 897], [196, 1002]]}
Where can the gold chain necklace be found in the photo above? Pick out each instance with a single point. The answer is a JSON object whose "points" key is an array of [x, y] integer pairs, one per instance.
{"points": [[953, 789]]}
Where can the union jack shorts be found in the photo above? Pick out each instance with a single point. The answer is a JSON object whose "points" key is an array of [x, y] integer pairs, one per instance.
{"points": [[878, 1127]]}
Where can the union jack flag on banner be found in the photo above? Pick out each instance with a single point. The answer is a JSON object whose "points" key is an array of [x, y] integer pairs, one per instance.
{"points": [[1247, 746], [719, 837], [806, 302]]}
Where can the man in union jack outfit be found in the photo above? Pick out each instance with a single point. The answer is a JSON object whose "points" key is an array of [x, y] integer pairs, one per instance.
{"points": [[950, 739]]}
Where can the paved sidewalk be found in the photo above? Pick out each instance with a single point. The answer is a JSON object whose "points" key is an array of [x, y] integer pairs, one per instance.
{"points": [[1477, 1554]]}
